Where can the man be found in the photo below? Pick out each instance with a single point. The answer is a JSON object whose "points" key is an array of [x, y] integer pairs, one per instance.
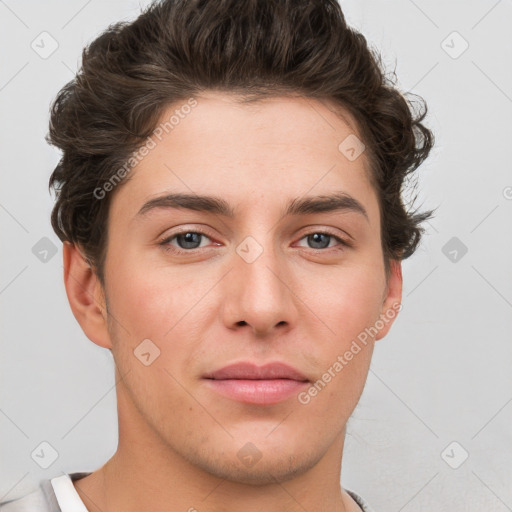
{"points": [[229, 198]]}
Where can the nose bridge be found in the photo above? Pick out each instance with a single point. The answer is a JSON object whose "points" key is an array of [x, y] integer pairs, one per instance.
{"points": [[260, 295]]}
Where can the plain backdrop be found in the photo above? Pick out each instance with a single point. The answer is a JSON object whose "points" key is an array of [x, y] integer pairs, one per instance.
{"points": [[433, 428]]}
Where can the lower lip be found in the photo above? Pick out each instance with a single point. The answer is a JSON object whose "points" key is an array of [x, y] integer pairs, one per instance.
{"points": [[262, 392]]}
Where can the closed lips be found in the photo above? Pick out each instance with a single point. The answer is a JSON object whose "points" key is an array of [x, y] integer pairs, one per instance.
{"points": [[250, 371]]}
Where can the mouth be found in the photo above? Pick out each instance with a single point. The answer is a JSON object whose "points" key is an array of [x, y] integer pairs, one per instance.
{"points": [[251, 384]]}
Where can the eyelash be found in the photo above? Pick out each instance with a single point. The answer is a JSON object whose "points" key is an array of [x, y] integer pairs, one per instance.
{"points": [[165, 243]]}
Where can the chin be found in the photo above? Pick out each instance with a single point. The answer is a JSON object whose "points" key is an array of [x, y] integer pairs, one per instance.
{"points": [[253, 463], [270, 469]]}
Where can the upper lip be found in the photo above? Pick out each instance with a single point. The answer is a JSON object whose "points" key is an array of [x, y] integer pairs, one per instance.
{"points": [[251, 371]]}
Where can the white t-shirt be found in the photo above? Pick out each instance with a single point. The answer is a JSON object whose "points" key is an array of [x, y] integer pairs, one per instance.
{"points": [[58, 494]]}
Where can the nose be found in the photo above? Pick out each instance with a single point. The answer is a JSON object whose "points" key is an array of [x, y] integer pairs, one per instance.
{"points": [[259, 292]]}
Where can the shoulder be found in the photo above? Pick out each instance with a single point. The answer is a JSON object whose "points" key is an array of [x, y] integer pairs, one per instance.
{"points": [[34, 501], [44, 498], [52, 495], [365, 507]]}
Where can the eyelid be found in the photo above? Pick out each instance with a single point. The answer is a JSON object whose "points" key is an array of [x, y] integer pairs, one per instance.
{"points": [[182, 230], [343, 243], [338, 233]]}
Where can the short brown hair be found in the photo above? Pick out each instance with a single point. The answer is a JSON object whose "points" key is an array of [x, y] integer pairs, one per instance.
{"points": [[253, 48]]}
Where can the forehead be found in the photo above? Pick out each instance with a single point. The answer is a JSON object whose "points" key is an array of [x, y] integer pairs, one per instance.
{"points": [[271, 148]]}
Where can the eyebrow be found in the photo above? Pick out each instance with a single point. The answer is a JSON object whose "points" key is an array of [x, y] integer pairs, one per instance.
{"points": [[338, 202]]}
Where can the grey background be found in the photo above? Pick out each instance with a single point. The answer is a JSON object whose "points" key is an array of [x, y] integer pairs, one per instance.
{"points": [[442, 375]]}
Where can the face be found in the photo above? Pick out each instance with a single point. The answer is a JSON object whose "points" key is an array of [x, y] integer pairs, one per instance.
{"points": [[253, 278]]}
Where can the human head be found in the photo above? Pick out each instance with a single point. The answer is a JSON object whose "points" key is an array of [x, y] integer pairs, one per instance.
{"points": [[295, 74]]}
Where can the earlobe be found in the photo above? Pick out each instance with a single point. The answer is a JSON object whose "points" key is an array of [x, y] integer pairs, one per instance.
{"points": [[392, 301], [85, 296]]}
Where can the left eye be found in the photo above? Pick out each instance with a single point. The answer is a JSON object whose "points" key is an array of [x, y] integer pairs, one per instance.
{"points": [[321, 240]]}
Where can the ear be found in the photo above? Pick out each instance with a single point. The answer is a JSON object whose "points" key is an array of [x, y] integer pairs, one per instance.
{"points": [[86, 296], [392, 299]]}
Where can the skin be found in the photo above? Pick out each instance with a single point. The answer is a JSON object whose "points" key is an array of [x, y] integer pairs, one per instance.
{"points": [[178, 439]]}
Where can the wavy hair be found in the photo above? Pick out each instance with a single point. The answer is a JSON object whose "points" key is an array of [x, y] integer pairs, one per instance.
{"points": [[176, 49]]}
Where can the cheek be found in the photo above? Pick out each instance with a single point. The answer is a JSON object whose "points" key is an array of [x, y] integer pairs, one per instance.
{"points": [[347, 305], [152, 302], [348, 302], [164, 307], [343, 356], [150, 305]]}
